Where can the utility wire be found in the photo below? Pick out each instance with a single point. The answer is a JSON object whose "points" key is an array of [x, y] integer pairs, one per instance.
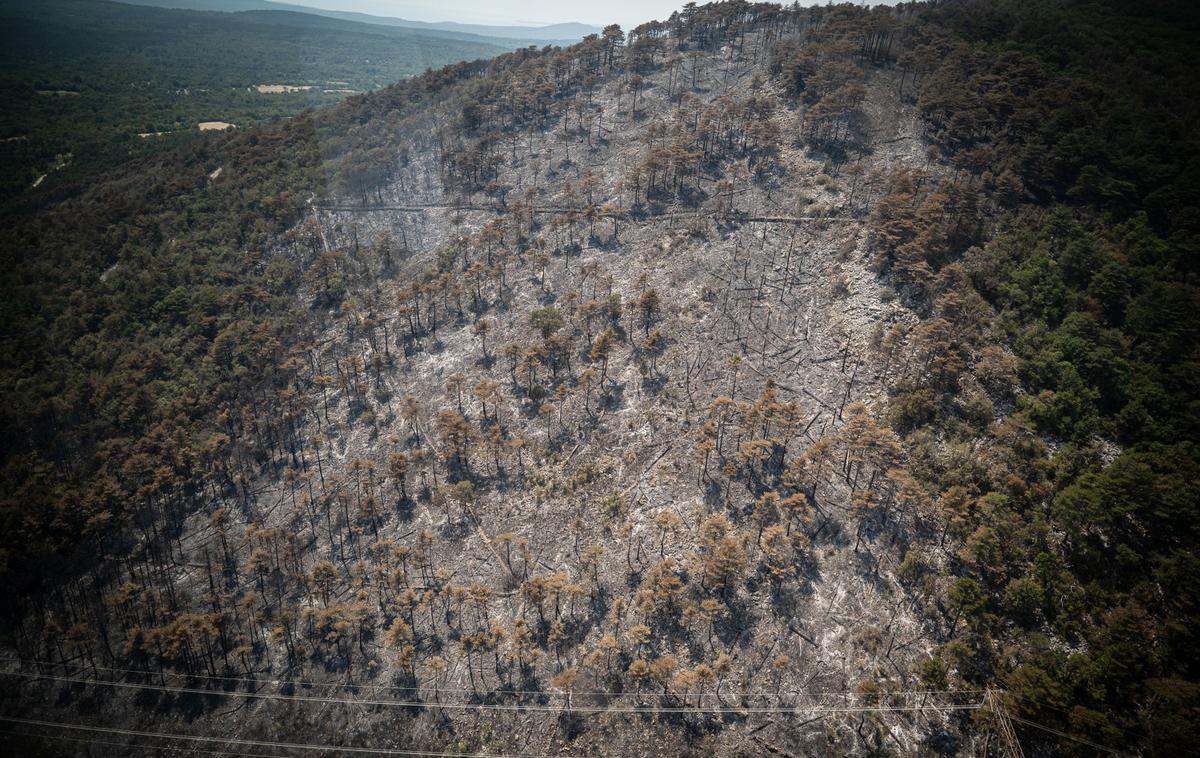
{"points": [[496, 706], [1065, 735], [189, 748], [1060, 709], [238, 741], [1035, 725], [511, 706], [574, 693]]}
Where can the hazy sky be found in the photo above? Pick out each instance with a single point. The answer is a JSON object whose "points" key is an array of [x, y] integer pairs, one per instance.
{"points": [[627, 13]]}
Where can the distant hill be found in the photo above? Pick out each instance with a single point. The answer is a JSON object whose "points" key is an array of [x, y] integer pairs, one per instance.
{"points": [[297, 16], [125, 70], [572, 32], [550, 34]]}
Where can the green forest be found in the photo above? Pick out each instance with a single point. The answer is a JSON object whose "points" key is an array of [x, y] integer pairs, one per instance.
{"points": [[1080, 521], [82, 79], [1044, 399]]}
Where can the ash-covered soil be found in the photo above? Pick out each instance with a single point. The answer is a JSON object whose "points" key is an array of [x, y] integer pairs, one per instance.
{"points": [[616, 466]]}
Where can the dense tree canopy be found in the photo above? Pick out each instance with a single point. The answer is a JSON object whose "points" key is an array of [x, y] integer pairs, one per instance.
{"points": [[1076, 122]]}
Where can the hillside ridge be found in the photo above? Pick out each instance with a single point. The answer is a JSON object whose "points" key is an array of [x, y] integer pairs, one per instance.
{"points": [[762, 379]]}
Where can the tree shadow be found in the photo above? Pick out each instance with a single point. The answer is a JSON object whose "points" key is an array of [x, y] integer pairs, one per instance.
{"points": [[653, 385], [613, 398], [405, 508], [571, 725], [453, 530], [736, 627], [866, 566], [830, 532]]}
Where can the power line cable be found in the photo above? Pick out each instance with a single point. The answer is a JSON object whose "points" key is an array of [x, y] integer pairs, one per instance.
{"points": [[1065, 735], [188, 748], [1040, 726], [240, 741], [396, 688], [1060, 709], [511, 706]]}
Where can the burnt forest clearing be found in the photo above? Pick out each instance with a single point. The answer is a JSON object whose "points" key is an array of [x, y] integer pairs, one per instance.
{"points": [[763, 380]]}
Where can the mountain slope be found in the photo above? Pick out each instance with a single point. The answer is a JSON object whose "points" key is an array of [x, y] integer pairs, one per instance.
{"points": [[767, 381]]}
